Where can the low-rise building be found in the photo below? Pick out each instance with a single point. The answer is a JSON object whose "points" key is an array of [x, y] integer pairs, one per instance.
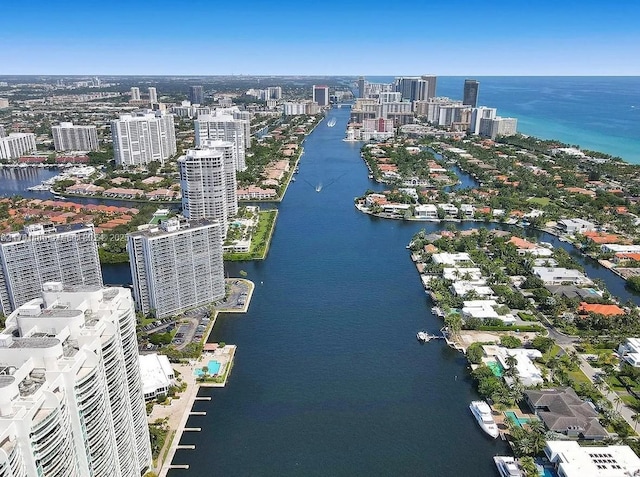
{"points": [[446, 258], [561, 276], [156, 374], [426, 211], [572, 460], [564, 412], [573, 226], [630, 351]]}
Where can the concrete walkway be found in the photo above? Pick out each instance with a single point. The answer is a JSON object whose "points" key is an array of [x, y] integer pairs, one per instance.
{"points": [[625, 411]]}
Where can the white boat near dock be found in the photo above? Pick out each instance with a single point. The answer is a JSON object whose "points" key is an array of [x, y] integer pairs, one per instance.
{"points": [[507, 466], [482, 412]]}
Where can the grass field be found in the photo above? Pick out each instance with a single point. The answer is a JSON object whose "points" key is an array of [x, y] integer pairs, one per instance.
{"points": [[260, 240]]}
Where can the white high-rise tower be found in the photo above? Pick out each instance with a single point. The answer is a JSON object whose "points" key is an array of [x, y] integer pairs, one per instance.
{"points": [[177, 265], [45, 253], [223, 127], [142, 138], [71, 401], [69, 137]]}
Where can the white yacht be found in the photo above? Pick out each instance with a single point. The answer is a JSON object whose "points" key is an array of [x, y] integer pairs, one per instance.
{"points": [[482, 413], [507, 466]]}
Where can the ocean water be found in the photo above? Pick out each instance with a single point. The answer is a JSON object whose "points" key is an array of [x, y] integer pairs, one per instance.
{"points": [[594, 112]]}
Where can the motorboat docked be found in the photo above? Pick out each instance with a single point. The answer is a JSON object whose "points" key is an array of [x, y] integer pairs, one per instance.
{"points": [[423, 336], [437, 311], [482, 413], [507, 466]]}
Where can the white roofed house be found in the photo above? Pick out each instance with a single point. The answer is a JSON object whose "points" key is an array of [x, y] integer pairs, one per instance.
{"points": [[451, 258], [561, 276], [483, 310], [426, 211], [629, 351], [156, 374]]}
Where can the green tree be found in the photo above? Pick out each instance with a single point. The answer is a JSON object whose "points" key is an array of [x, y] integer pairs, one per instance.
{"points": [[475, 353], [542, 343], [510, 342]]}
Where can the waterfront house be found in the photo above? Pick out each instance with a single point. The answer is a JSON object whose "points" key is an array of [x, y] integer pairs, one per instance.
{"points": [[450, 210], [572, 460], [525, 369], [561, 276], [573, 226], [452, 259], [426, 211], [564, 412], [619, 248], [525, 247]]}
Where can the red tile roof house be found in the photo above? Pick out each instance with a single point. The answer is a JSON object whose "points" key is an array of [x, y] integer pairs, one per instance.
{"points": [[606, 310]]}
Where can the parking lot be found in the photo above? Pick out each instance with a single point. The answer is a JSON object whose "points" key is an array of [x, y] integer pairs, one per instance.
{"points": [[192, 326]]}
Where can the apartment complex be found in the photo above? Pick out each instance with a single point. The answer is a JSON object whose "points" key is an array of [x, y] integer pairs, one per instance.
{"points": [[470, 93], [135, 93], [321, 95], [498, 126], [153, 95], [70, 389], [224, 127], [68, 137], [196, 94], [44, 253], [16, 144], [142, 138], [208, 182], [177, 265]]}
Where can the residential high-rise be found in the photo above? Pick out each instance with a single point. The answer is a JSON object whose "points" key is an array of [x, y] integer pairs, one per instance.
{"points": [[478, 114], [135, 93], [223, 127], [67, 137], [470, 97], [4, 103], [274, 92], [153, 95], [142, 138], [208, 181], [361, 87], [16, 144], [321, 95], [498, 126], [71, 396], [3, 133], [45, 253], [431, 88], [412, 88], [196, 94], [177, 265]]}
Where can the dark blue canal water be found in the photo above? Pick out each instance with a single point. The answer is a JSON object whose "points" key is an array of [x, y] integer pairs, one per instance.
{"points": [[329, 378]]}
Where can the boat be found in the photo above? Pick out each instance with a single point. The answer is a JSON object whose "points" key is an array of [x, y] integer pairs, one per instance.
{"points": [[293, 179], [318, 187], [482, 413], [507, 466], [332, 122], [423, 336]]}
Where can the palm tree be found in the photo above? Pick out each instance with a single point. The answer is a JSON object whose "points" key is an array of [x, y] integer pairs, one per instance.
{"points": [[511, 361], [529, 467], [617, 400]]}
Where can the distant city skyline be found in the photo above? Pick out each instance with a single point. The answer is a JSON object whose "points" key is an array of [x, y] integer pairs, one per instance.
{"points": [[501, 38]]}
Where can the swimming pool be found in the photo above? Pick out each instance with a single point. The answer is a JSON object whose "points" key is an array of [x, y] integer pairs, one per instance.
{"points": [[520, 421], [496, 367], [213, 368]]}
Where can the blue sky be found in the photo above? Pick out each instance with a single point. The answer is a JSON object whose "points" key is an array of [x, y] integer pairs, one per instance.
{"points": [[198, 37]]}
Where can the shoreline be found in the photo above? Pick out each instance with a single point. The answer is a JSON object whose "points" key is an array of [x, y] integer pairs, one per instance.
{"points": [[174, 435]]}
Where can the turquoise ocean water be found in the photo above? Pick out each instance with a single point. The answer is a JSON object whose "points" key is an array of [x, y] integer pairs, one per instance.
{"points": [[597, 113]]}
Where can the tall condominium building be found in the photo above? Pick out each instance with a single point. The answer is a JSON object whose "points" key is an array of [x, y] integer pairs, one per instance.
{"points": [[321, 95], [362, 87], [478, 114], [196, 94], [153, 95], [431, 88], [44, 253], [177, 265], [412, 88], [4, 103], [135, 93], [142, 138], [71, 401], [223, 127], [67, 137], [470, 96], [3, 133], [274, 92], [16, 144], [208, 181]]}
